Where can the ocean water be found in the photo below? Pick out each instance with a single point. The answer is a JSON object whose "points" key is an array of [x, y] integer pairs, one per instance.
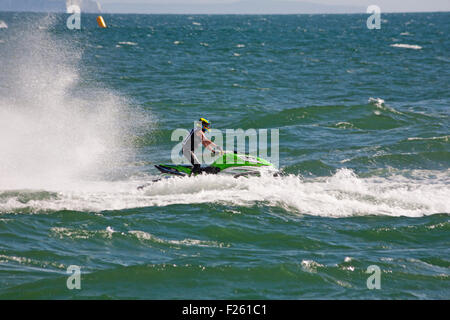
{"points": [[363, 117]]}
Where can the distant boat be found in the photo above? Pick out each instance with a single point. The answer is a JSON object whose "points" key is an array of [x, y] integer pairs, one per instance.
{"points": [[3, 25]]}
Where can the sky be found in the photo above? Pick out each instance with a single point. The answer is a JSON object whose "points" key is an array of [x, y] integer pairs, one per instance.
{"points": [[269, 6]]}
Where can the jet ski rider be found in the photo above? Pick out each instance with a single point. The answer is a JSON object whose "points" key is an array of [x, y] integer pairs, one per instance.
{"points": [[193, 140]]}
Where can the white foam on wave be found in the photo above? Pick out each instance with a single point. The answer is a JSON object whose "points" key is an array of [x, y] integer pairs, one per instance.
{"points": [[378, 102], [443, 138], [42, 265], [109, 233], [129, 43], [342, 195], [3, 25], [406, 46], [311, 266], [381, 104], [145, 236]]}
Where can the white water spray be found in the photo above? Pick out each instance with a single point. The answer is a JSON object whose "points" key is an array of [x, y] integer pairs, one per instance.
{"points": [[51, 131]]}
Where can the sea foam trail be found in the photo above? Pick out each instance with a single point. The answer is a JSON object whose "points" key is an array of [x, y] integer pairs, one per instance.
{"points": [[342, 195], [406, 46], [51, 131]]}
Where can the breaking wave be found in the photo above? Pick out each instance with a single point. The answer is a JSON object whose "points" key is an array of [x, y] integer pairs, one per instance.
{"points": [[344, 194]]}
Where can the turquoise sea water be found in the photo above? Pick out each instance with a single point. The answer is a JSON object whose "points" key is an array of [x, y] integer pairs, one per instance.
{"points": [[363, 117]]}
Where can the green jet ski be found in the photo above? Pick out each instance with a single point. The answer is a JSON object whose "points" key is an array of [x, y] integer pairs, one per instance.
{"points": [[227, 163], [230, 163]]}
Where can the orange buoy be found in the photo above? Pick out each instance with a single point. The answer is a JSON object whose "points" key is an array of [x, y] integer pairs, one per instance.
{"points": [[101, 22]]}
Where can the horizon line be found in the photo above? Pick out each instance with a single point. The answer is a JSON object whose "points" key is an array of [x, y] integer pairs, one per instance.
{"points": [[225, 14]]}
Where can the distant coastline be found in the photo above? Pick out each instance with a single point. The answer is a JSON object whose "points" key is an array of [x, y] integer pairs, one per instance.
{"points": [[243, 7], [249, 7], [86, 6]]}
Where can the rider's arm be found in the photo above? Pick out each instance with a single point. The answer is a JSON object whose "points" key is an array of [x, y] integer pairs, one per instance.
{"points": [[207, 143]]}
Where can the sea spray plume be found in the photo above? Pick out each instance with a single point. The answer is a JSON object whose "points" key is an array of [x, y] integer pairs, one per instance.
{"points": [[51, 131]]}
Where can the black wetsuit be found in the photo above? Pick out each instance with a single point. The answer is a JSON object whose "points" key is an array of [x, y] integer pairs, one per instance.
{"points": [[190, 143]]}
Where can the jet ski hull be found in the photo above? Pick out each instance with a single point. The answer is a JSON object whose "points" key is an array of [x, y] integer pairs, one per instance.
{"points": [[229, 163]]}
